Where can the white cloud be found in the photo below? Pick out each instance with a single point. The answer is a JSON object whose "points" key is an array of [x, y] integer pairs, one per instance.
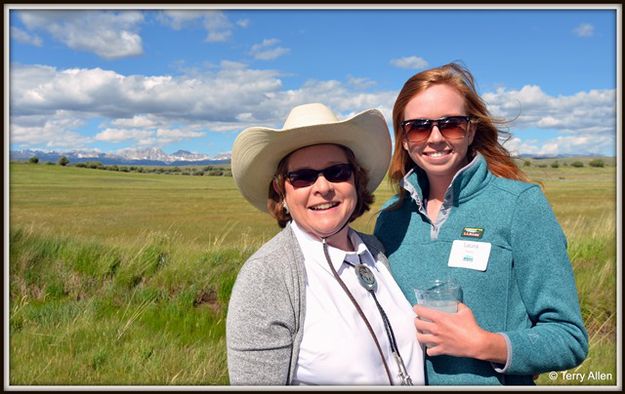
{"points": [[339, 97], [591, 112], [154, 129], [217, 36], [55, 130], [148, 136], [360, 83], [245, 117], [266, 50], [584, 30], [119, 135], [586, 121], [267, 42], [168, 136], [136, 121], [108, 34], [217, 25], [49, 105], [21, 36], [178, 134], [244, 23], [584, 144], [227, 99], [178, 19], [208, 101], [411, 62]]}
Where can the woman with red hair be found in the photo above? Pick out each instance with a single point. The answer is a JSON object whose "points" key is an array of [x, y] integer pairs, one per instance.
{"points": [[465, 211]]}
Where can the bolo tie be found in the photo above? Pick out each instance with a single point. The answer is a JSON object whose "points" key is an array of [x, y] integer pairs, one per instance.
{"points": [[368, 282]]}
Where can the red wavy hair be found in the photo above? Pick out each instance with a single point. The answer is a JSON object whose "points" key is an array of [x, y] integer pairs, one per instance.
{"points": [[487, 134]]}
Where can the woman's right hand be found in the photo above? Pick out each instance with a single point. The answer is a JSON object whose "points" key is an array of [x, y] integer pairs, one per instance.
{"points": [[458, 334]]}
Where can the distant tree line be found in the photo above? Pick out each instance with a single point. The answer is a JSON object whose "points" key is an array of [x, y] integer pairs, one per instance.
{"points": [[63, 161], [556, 164], [192, 171]]}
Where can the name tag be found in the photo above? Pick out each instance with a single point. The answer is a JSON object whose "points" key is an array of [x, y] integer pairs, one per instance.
{"points": [[469, 254]]}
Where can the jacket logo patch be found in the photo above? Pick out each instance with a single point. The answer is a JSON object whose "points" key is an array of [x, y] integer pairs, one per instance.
{"points": [[472, 232]]}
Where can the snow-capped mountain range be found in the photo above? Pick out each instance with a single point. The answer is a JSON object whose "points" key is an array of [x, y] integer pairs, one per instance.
{"points": [[149, 156]]}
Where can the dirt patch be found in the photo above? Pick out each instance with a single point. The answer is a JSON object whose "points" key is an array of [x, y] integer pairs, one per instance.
{"points": [[207, 298]]}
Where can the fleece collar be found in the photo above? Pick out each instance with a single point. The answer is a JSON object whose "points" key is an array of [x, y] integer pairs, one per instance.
{"points": [[467, 183]]}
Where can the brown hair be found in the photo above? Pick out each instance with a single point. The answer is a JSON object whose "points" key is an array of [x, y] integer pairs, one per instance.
{"points": [[276, 198], [487, 134]]}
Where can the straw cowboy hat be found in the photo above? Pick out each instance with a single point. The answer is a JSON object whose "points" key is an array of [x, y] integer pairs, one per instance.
{"points": [[257, 151]]}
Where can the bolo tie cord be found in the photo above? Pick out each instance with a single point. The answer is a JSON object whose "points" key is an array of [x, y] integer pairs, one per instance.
{"points": [[403, 373], [360, 312], [387, 323]]}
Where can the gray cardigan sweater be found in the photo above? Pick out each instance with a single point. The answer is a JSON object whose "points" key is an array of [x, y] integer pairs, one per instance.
{"points": [[266, 312]]}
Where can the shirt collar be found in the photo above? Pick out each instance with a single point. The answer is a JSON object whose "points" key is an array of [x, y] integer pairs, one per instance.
{"points": [[312, 248], [411, 181], [361, 254]]}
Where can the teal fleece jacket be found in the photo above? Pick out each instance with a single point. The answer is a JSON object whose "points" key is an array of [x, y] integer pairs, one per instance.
{"points": [[526, 291]]}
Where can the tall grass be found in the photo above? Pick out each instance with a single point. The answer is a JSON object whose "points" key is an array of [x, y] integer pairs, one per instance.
{"points": [[84, 313], [592, 250]]}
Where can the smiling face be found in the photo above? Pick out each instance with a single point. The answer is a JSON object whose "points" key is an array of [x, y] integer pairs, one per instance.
{"points": [[439, 157], [323, 207]]}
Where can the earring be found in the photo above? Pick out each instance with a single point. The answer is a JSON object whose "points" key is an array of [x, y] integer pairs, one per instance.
{"points": [[286, 208]]}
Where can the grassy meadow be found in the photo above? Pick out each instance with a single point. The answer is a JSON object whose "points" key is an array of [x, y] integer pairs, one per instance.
{"points": [[124, 278]]}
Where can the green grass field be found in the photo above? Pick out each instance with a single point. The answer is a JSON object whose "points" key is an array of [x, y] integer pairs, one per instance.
{"points": [[124, 278]]}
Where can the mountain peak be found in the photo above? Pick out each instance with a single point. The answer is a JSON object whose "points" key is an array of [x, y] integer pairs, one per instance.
{"points": [[151, 154]]}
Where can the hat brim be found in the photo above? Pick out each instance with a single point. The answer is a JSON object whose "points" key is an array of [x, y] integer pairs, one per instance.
{"points": [[257, 151]]}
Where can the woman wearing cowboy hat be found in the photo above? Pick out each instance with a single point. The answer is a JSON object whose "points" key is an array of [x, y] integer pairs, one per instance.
{"points": [[317, 304]]}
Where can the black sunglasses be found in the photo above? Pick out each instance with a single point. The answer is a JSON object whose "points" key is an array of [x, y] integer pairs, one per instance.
{"points": [[451, 127], [307, 176]]}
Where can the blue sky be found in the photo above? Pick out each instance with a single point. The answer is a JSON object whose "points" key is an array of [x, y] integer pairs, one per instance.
{"points": [[106, 80]]}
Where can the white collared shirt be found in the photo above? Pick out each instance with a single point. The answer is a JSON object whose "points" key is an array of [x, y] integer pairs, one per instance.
{"points": [[337, 348]]}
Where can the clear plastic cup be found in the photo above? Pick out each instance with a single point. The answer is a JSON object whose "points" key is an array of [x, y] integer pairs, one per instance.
{"points": [[442, 295]]}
